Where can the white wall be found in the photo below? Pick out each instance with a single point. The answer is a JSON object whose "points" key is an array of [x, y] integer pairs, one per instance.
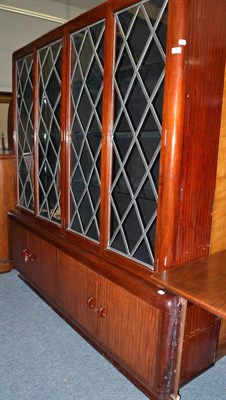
{"points": [[17, 30]]}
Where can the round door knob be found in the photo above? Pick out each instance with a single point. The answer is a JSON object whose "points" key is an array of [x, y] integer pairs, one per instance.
{"points": [[25, 253], [31, 257], [91, 302], [102, 311]]}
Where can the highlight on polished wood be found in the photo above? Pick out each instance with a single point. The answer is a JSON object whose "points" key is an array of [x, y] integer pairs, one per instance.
{"points": [[200, 281]]}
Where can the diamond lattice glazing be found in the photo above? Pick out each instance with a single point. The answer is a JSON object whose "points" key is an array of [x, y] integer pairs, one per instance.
{"points": [[138, 85], [86, 126], [49, 131], [24, 69]]}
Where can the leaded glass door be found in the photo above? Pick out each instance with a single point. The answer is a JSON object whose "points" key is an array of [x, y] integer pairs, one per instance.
{"points": [[49, 131], [25, 129], [138, 95], [86, 88]]}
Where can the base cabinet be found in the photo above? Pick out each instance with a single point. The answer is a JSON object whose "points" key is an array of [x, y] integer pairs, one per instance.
{"points": [[135, 333]]}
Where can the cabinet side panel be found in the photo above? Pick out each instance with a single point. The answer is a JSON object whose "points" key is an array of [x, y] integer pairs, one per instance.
{"points": [[218, 232], [205, 75], [6, 203], [199, 349]]}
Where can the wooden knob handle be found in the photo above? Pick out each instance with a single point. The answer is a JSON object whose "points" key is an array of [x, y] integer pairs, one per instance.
{"points": [[102, 311], [31, 257], [27, 255], [91, 302]]}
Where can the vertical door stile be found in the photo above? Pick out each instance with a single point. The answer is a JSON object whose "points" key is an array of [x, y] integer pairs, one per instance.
{"points": [[15, 130], [107, 122], [68, 116], [35, 122], [64, 128], [67, 110]]}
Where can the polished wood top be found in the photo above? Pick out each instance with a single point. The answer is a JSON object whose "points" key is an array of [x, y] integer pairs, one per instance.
{"points": [[203, 282]]}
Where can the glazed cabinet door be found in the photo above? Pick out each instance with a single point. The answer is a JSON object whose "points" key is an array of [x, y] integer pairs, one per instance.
{"points": [[138, 84], [86, 92], [49, 131], [25, 132]]}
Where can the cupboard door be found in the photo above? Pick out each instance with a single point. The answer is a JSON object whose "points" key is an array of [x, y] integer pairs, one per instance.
{"points": [[77, 289], [25, 132], [140, 334], [49, 131], [86, 81], [138, 101], [45, 265], [21, 252], [129, 328]]}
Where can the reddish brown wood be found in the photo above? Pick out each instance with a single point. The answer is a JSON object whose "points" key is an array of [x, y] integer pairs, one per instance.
{"points": [[107, 122], [188, 164], [111, 314], [201, 281], [66, 154], [76, 285], [202, 127], [18, 243], [7, 173], [199, 348], [172, 137], [35, 259], [45, 265], [194, 80], [35, 123]]}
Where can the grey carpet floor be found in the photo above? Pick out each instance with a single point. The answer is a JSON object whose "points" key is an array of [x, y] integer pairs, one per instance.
{"points": [[43, 358]]}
